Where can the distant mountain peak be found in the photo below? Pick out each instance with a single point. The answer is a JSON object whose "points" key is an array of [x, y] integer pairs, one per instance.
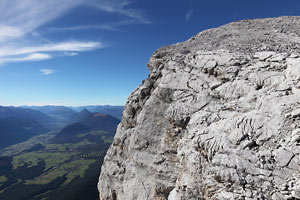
{"points": [[115, 111], [85, 113]]}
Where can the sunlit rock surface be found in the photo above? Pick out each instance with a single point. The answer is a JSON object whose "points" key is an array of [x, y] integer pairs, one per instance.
{"points": [[217, 118]]}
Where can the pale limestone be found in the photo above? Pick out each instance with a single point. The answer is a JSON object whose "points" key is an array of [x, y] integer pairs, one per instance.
{"points": [[217, 118]]}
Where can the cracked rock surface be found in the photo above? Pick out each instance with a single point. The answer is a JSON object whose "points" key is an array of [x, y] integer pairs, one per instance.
{"points": [[217, 118]]}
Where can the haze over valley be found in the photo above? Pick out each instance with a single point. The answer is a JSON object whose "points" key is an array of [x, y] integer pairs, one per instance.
{"points": [[47, 151]]}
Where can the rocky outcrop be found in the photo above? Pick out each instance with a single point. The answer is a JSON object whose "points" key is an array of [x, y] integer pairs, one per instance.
{"points": [[217, 118]]}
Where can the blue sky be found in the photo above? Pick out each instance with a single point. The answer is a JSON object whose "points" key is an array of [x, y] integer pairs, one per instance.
{"points": [[84, 52]]}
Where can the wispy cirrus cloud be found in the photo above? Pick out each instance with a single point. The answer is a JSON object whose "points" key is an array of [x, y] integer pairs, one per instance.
{"points": [[120, 7], [110, 26], [42, 52], [20, 21], [189, 15], [23, 58], [8, 32], [47, 71], [73, 46], [24, 16]]}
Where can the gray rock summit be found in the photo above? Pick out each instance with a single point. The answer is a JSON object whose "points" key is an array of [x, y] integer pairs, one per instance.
{"points": [[217, 118]]}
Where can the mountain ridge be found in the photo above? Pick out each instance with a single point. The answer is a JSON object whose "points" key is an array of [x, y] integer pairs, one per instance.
{"points": [[20, 123], [15, 130], [86, 121], [61, 165], [115, 111], [24, 113]]}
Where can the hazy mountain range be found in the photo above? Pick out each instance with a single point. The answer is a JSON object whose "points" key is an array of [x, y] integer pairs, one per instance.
{"points": [[14, 130], [86, 121], [25, 113], [18, 124], [62, 112], [57, 151]]}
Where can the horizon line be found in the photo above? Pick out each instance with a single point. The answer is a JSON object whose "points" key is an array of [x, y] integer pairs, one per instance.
{"points": [[60, 105]]}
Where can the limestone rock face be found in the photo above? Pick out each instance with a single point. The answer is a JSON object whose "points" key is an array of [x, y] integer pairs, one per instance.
{"points": [[217, 118]]}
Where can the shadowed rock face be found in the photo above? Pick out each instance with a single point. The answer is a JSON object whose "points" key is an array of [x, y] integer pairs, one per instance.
{"points": [[217, 118]]}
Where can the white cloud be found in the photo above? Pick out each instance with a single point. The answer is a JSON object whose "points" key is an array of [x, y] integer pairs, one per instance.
{"points": [[189, 15], [7, 32], [24, 16], [27, 15], [36, 57], [73, 46], [47, 71], [36, 53], [29, 57], [20, 21], [71, 53]]}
